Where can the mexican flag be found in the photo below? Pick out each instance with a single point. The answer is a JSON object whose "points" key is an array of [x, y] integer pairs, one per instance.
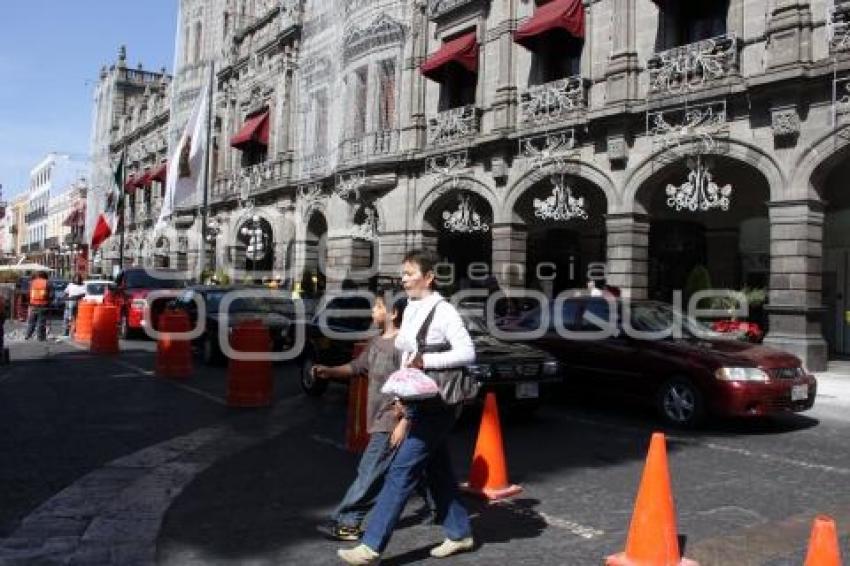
{"points": [[107, 221]]}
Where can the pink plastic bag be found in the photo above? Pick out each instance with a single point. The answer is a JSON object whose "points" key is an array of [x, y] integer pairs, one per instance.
{"points": [[410, 384]]}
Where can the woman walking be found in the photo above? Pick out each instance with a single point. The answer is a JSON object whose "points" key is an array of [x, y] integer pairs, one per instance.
{"points": [[432, 320]]}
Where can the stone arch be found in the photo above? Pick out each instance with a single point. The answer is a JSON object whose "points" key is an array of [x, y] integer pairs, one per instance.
{"points": [[461, 184], [279, 224], [735, 150], [573, 168], [814, 165]]}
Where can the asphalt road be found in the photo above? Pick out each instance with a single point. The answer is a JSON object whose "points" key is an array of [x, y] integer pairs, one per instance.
{"points": [[745, 491]]}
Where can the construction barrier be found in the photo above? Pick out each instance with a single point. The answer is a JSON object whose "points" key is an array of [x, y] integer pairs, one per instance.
{"points": [[653, 537], [173, 356], [104, 330], [488, 476], [249, 382], [356, 433], [84, 321], [823, 544]]}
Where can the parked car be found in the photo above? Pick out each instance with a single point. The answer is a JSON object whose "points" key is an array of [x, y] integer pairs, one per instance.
{"points": [[277, 315], [686, 378], [516, 372], [96, 289], [132, 287]]}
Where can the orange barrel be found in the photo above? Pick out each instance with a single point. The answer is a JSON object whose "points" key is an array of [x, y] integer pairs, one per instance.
{"points": [[85, 319], [356, 435], [249, 383], [173, 356], [104, 330]]}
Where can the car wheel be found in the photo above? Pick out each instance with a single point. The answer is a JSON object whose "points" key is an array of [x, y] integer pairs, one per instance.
{"points": [[311, 386], [681, 403]]}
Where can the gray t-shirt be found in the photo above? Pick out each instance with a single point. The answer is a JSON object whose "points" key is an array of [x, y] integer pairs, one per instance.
{"points": [[378, 360]]}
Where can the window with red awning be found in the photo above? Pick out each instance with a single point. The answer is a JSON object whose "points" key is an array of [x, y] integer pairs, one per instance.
{"points": [[556, 15], [160, 173], [255, 131], [130, 183], [144, 180], [462, 51]]}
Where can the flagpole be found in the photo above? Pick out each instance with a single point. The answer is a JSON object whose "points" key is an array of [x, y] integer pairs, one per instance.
{"points": [[120, 206], [202, 256]]}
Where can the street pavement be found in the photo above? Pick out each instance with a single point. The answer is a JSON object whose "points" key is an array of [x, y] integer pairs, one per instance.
{"points": [[103, 463]]}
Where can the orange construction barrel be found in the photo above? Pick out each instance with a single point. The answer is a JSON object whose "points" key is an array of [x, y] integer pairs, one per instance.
{"points": [[85, 319], [173, 356], [249, 382], [356, 435], [104, 330]]}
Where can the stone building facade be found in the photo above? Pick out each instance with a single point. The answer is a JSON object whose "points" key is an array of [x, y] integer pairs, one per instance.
{"points": [[540, 142]]}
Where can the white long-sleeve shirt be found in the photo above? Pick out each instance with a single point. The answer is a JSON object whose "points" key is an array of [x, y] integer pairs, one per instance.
{"points": [[447, 326]]}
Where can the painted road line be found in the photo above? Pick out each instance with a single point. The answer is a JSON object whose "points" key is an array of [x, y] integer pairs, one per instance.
{"points": [[183, 386], [582, 531], [636, 430]]}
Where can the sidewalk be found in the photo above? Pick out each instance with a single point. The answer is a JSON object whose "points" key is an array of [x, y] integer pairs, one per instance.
{"points": [[834, 384]]}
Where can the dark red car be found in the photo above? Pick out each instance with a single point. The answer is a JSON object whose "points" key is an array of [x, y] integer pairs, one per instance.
{"points": [[132, 287], [685, 376]]}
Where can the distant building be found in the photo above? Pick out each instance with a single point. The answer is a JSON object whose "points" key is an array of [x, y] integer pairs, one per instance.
{"points": [[66, 246]]}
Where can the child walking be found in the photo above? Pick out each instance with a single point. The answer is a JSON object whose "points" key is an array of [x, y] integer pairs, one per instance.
{"points": [[385, 424]]}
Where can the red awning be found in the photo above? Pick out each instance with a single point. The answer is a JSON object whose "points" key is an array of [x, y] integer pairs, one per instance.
{"points": [[77, 218], [159, 174], [144, 180], [130, 184], [565, 15], [254, 131], [462, 51]]}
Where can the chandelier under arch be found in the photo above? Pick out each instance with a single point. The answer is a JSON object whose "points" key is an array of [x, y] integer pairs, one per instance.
{"points": [[465, 219], [561, 205]]}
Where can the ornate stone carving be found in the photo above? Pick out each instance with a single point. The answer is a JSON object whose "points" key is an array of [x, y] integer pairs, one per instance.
{"points": [[453, 125], [618, 149], [380, 33], [785, 122]]}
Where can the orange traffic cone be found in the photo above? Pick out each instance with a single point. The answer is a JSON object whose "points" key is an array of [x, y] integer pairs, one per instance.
{"points": [[823, 545], [653, 538], [488, 476]]}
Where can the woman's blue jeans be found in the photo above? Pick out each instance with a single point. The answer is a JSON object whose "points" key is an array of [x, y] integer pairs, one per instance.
{"points": [[424, 451]]}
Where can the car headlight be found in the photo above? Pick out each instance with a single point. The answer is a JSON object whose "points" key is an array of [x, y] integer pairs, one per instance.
{"points": [[550, 368], [741, 374], [480, 371]]}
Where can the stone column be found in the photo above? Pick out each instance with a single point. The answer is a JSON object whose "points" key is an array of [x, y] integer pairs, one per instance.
{"points": [[628, 253], [622, 71], [794, 305], [789, 34], [505, 101], [509, 254]]}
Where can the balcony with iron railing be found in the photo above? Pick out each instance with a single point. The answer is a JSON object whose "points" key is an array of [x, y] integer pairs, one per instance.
{"points": [[453, 126], [693, 66], [553, 102], [371, 146], [315, 165]]}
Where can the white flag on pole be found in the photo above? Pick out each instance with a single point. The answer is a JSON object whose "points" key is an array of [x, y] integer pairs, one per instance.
{"points": [[186, 164]]}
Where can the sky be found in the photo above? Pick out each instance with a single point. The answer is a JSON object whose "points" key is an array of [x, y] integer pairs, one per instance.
{"points": [[51, 52]]}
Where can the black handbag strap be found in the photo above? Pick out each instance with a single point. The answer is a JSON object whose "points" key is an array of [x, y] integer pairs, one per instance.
{"points": [[421, 336]]}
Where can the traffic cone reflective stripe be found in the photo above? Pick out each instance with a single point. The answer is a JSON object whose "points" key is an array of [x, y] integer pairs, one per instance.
{"points": [[823, 544], [488, 476], [653, 537]]}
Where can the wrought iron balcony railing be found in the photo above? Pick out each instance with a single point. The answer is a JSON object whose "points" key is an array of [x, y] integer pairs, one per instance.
{"points": [[315, 165], [553, 101], [450, 126], [693, 66], [371, 145]]}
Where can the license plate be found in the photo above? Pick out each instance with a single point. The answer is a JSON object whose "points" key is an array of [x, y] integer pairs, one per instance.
{"points": [[799, 393], [527, 391]]}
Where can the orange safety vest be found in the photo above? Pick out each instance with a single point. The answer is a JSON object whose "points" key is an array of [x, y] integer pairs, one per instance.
{"points": [[39, 293]]}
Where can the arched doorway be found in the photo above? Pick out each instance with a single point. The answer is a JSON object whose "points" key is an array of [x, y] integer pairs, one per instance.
{"points": [[718, 247], [461, 221], [836, 259], [565, 220], [313, 276], [161, 250]]}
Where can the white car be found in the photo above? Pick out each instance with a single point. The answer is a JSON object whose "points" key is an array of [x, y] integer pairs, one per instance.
{"points": [[95, 289]]}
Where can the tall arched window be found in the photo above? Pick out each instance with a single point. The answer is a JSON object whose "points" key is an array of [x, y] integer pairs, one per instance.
{"points": [[198, 39]]}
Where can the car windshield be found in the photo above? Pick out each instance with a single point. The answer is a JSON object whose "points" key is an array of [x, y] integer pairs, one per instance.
{"points": [[95, 288], [241, 304], [145, 280], [658, 317]]}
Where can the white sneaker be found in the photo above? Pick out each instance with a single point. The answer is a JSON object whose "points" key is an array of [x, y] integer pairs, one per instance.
{"points": [[360, 555], [450, 547]]}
